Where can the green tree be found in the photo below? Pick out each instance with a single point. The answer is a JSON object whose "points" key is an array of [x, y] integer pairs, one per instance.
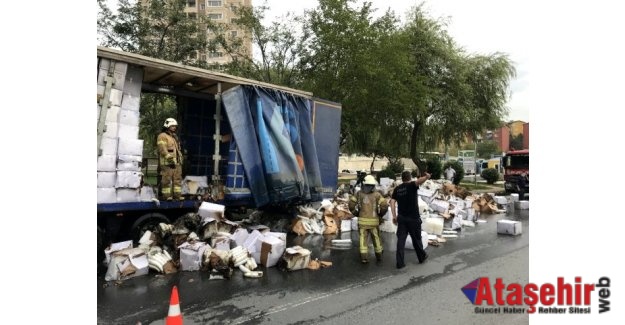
{"points": [[486, 149], [516, 142]]}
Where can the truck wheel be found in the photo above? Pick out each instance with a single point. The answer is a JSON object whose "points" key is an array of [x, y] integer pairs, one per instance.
{"points": [[146, 222]]}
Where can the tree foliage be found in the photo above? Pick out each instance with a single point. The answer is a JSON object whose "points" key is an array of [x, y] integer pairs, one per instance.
{"points": [[486, 149], [516, 142]]}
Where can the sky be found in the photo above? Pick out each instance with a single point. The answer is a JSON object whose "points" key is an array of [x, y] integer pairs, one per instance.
{"points": [[479, 26]]}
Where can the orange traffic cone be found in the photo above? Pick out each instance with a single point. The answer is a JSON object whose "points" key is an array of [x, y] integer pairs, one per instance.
{"points": [[174, 317]]}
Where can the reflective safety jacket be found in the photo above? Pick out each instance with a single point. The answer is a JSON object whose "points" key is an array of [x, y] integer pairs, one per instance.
{"points": [[369, 205], [169, 152]]}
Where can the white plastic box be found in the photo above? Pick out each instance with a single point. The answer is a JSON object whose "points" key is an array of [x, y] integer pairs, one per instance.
{"points": [[129, 163], [116, 97], [127, 195], [509, 227], [109, 146], [424, 241], [130, 102], [433, 225], [211, 210], [191, 255], [112, 114], [134, 78], [522, 205], [111, 130]]}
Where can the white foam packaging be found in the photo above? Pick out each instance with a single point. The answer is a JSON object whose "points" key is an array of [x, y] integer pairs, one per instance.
{"points": [[127, 195], [147, 194], [190, 184], [346, 225], [106, 179], [116, 97], [424, 241], [191, 255], [509, 227], [114, 248], [107, 195], [209, 210], [109, 146], [130, 147], [134, 78], [129, 163], [130, 102], [128, 117], [106, 163], [239, 236], [112, 114], [128, 179], [433, 225], [355, 223], [119, 74], [128, 131], [112, 130], [122, 260], [522, 205]]}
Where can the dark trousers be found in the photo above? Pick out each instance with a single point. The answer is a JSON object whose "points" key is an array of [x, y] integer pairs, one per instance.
{"points": [[408, 226]]}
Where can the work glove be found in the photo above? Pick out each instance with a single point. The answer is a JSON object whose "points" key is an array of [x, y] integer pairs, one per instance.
{"points": [[170, 160]]}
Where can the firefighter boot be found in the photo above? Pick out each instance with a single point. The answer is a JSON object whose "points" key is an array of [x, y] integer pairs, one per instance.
{"points": [[364, 258], [378, 257]]}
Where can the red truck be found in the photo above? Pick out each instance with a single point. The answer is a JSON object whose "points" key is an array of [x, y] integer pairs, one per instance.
{"points": [[515, 164]]}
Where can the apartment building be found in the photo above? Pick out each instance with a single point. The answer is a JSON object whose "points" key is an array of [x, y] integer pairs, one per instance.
{"points": [[220, 11]]}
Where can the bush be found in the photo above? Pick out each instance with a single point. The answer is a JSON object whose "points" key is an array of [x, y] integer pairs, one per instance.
{"points": [[395, 165], [435, 167], [491, 175], [386, 172], [457, 166]]}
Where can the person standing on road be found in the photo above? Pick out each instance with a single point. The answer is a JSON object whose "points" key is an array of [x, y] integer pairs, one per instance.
{"points": [[370, 204], [170, 161], [522, 184], [407, 217], [450, 173]]}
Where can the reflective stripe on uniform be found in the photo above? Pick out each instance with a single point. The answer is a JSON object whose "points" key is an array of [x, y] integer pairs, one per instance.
{"points": [[374, 222]]}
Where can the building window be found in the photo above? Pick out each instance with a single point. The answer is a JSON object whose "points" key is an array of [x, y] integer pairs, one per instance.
{"points": [[233, 33], [215, 16], [202, 57], [213, 3], [191, 3], [215, 54], [202, 6]]}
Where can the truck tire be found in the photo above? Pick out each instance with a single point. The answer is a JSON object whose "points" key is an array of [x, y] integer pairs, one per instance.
{"points": [[144, 223]]}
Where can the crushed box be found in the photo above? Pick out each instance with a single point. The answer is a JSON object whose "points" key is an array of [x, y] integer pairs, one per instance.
{"points": [[509, 227]]}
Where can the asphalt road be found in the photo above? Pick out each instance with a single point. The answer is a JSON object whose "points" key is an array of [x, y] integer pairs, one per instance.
{"points": [[348, 292]]}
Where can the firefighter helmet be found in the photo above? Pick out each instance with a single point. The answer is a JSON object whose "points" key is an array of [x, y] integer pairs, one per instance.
{"points": [[370, 180], [170, 122]]}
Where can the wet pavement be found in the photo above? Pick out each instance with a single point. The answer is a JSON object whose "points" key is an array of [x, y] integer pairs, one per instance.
{"points": [[346, 292]]}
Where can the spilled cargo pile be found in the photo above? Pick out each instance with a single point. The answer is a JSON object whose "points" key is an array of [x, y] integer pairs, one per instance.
{"points": [[208, 242]]}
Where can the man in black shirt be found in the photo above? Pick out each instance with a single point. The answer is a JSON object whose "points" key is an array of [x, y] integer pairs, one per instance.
{"points": [[408, 222]]}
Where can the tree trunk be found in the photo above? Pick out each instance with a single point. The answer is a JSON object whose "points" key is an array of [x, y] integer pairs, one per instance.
{"points": [[372, 162], [414, 153]]}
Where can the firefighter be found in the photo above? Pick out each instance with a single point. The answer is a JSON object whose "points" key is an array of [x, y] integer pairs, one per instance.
{"points": [[170, 161], [369, 205]]}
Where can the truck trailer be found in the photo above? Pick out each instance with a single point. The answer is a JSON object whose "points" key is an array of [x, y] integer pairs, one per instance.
{"points": [[283, 143]]}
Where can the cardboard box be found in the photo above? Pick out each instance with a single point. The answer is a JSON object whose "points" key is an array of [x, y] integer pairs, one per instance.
{"points": [[191, 184], [106, 179], [107, 195], [424, 241], [269, 250], [130, 102], [109, 146], [296, 258], [127, 195], [107, 163], [114, 248], [126, 264], [128, 117], [191, 255], [129, 163], [509, 227], [439, 205], [130, 147], [128, 131], [128, 179]]}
